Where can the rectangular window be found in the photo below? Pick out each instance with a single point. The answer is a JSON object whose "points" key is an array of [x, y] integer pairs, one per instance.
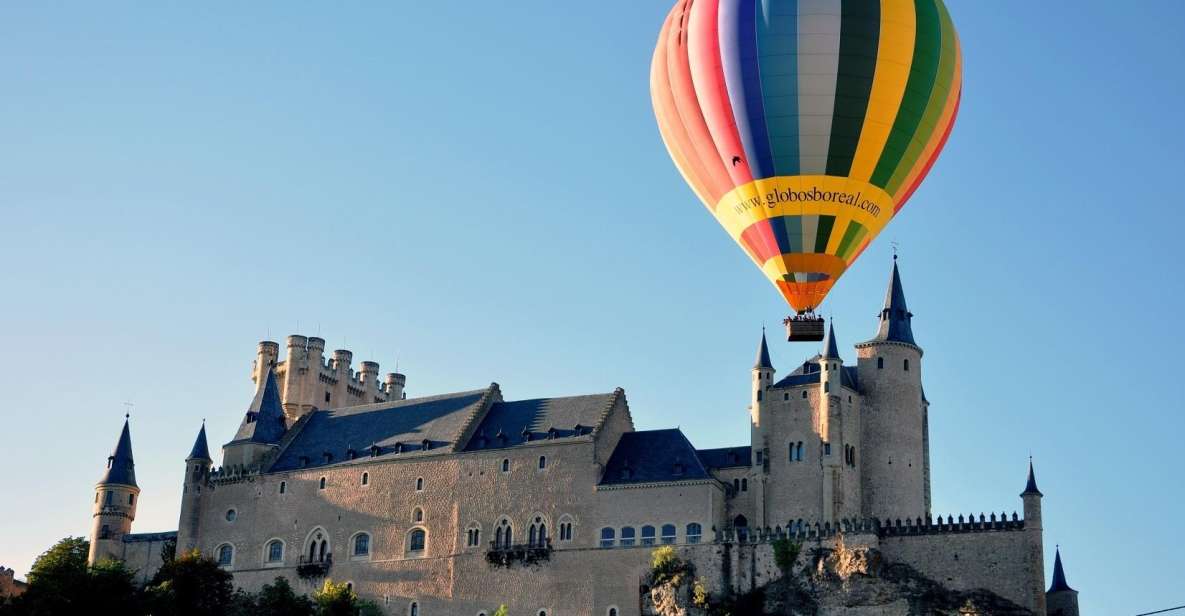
{"points": [[826, 449], [759, 458]]}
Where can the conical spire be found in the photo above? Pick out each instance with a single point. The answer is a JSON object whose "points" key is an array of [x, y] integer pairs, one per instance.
{"points": [[265, 425], [763, 362], [1059, 576], [830, 348], [895, 316], [120, 466], [200, 450], [1031, 486]]}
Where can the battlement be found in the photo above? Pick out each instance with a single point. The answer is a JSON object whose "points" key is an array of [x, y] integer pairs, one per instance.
{"points": [[802, 530], [310, 380]]}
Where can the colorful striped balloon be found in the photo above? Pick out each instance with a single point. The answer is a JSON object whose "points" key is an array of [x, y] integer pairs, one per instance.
{"points": [[805, 125]]}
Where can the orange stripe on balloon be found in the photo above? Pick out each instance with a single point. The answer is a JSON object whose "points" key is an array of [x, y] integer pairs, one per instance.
{"points": [[674, 135], [716, 177], [707, 73], [933, 156]]}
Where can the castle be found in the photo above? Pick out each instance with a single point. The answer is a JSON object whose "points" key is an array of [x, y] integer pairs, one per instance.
{"points": [[456, 503]]}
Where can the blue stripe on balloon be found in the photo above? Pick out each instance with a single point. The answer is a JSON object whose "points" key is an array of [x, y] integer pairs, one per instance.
{"points": [[777, 44], [738, 55], [788, 232]]}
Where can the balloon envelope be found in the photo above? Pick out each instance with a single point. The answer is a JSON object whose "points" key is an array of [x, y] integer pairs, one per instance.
{"points": [[805, 125]]}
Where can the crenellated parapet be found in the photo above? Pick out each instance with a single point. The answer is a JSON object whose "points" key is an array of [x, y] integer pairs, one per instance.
{"points": [[800, 530], [311, 380]]}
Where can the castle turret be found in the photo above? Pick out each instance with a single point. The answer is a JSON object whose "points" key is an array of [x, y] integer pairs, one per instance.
{"points": [[197, 468], [830, 426], [759, 409], [266, 356], [1034, 541], [1060, 599], [395, 384], [261, 430], [368, 377], [115, 502], [296, 371], [895, 464]]}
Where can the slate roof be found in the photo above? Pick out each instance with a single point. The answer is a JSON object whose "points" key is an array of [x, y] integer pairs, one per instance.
{"points": [[1059, 576], [763, 355], [830, 348], [264, 422], [121, 468], [139, 537], [725, 457], [396, 428], [508, 424], [895, 316], [200, 451], [653, 456], [1031, 485], [808, 373]]}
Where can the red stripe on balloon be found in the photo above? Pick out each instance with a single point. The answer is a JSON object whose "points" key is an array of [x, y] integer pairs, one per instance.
{"points": [[707, 73], [758, 239]]}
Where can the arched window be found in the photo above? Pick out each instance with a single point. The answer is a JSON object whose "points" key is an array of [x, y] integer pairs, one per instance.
{"points": [[736, 485], [105, 532], [607, 537], [413, 609], [473, 535], [417, 540], [275, 551], [321, 484], [537, 533], [612, 612], [694, 532], [231, 515], [880, 363], [283, 487], [542, 613], [318, 546], [628, 535], [417, 515], [668, 534], [226, 555], [365, 478], [744, 485], [361, 544], [505, 465], [648, 535], [503, 535], [804, 394], [800, 451], [419, 484], [542, 462]]}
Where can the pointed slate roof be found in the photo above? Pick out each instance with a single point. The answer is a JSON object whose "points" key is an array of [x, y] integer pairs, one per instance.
{"points": [[763, 361], [1031, 486], [266, 423], [120, 466], [830, 348], [895, 316], [200, 450], [1059, 576]]}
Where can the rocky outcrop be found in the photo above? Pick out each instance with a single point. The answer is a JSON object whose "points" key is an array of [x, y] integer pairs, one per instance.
{"points": [[841, 581]]}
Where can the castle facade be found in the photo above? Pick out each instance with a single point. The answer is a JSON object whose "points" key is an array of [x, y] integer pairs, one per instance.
{"points": [[457, 503]]}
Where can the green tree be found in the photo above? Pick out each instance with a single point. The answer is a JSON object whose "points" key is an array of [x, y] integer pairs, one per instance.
{"points": [[190, 585], [335, 600], [57, 581], [278, 599]]}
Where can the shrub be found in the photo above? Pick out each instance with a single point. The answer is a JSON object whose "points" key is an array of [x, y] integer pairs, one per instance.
{"points": [[786, 554]]}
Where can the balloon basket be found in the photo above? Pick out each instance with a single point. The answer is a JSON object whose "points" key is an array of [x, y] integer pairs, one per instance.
{"points": [[804, 328]]}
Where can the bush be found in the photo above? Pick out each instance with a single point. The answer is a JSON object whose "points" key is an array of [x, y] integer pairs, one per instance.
{"points": [[190, 585], [667, 567], [786, 554]]}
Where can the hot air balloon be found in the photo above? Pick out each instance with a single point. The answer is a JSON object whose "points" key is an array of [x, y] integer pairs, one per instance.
{"points": [[805, 125]]}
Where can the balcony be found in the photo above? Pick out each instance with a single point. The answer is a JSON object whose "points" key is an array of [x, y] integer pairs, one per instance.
{"points": [[310, 568], [526, 554]]}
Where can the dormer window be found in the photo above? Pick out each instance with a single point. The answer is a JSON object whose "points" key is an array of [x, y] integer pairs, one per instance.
{"points": [[425, 445], [579, 429], [374, 451], [398, 447], [678, 469], [328, 457], [304, 461], [526, 434], [351, 454], [552, 433]]}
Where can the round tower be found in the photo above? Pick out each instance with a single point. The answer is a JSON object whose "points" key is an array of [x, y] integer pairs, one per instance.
{"points": [[830, 427], [197, 469], [1060, 599], [1034, 542], [296, 377], [116, 497], [266, 356], [759, 415], [894, 425], [395, 384]]}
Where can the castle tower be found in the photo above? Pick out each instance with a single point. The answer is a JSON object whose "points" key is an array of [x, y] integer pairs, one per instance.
{"points": [[830, 428], [261, 430], [1034, 542], [895, 464], [296, 392], [759, 415], [115, 502], [395, 384], [1060, 599], [266, 356], [197, 468]]}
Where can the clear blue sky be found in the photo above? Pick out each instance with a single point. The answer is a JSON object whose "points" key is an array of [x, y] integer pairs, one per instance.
{"points": [[479, 190]]}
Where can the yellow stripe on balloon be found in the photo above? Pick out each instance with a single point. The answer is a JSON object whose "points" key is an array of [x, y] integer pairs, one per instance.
{"points": [[870, 205], [948, 112], [894, 57]]}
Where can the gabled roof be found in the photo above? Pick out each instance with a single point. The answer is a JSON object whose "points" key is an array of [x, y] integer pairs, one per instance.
{"points": [[508, 424], [653, 456], [399, 428], [1059, 576], [895, 317], [763, 361], [121, 468], [725, 457], [200, 451], [264, 422], [808, 373]]}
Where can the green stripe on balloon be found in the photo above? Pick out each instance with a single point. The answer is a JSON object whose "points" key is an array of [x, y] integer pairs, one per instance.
{"points": [[859, 36], [854, 231], [944, 81], [922, 72], [823, 235]]}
